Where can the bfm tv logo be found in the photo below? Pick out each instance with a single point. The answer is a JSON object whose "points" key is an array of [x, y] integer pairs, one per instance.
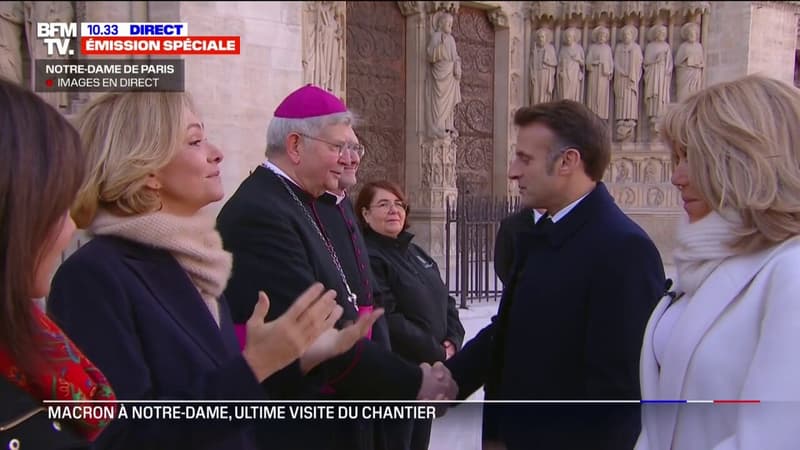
{"points": [[57, 37]]}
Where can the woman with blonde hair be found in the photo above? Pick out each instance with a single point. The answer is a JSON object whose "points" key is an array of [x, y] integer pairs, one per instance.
{"points": [[728, 330], [144, 296]]}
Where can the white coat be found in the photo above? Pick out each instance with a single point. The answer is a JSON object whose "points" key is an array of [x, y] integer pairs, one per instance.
{"points": [[738, 338]]}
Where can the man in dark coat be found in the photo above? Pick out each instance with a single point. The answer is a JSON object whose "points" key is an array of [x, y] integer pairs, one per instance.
{"points": [[338, 218], [272, 227], [572, 317], [506, 242]]}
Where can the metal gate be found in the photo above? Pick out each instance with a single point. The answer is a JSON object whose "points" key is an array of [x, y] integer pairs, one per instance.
{"points": [[470, 229]]}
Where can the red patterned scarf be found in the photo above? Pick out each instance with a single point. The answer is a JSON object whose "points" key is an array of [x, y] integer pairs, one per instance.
{"points": [[71, 375]]}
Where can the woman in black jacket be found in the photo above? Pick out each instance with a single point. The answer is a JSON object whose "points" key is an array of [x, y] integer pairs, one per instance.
{"points": [[422, 317]]}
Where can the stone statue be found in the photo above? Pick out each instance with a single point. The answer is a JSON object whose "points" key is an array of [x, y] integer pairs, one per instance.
{"points": [[651, 170], [12, 20], [543, 67], [624, 172], [600, 69], [570, 66], [657, 75], [689, 62], [324, 60], [17, 18], [444, 83], [627, 73]]}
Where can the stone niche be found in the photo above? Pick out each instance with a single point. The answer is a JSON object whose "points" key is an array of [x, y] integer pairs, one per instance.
{"points": [[627, 62]]}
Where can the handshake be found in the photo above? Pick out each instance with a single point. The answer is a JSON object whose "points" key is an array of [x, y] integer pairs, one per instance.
{"points": [[437, 383]]}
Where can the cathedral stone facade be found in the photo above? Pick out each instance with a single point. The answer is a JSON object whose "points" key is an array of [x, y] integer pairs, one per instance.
{"points": [[436, 84]]}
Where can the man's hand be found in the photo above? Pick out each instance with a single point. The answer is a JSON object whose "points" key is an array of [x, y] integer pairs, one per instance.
{"points": [[271, 346], [334, 342], [449, 349], [437, 383]]}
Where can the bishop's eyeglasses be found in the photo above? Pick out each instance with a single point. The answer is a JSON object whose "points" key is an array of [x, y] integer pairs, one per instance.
{"points": [[358, 149]]}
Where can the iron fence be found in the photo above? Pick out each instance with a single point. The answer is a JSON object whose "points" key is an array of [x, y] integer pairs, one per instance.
{"points": [[470, 229]]}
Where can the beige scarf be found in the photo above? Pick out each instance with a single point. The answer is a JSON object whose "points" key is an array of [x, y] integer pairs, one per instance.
{"points": [[701, 247], [193, 241]]}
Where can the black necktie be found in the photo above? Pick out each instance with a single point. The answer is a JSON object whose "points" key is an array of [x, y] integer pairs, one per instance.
{"points": [[544, 224]]}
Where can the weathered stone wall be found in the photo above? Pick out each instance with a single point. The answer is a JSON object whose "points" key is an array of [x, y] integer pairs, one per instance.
{"points": [[236, 95]]}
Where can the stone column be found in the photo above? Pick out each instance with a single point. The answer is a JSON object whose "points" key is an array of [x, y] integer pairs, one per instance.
{"points": [[509, 93], [430, 161]]}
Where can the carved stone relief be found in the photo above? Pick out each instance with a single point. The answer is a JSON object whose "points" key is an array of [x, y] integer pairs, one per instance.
{"points": [[640, 40], [324, 45], [17, 25], [600, 69], [438, 173], [443, 87], [12, 30], [689, 62], [623, 171], [474, 118], [653, 171], [569, 79], [640, 181], [543, 67], [657, 75], [655, 197], [627, 73], [376, 91]]}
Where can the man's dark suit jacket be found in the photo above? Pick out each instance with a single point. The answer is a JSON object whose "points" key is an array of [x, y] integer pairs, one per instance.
{"points": [[569, 327], [506, 243], [276, 249]]}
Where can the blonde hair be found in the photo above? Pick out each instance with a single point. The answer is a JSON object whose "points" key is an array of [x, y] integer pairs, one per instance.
{"points": [[126, 137], [741, 142]]}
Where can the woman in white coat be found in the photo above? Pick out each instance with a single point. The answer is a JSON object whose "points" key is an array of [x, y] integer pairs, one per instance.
{"points": [[731, 327]]}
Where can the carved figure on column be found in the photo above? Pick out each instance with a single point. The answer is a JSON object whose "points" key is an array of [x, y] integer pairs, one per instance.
{"points": [[12, 20], [600, 69], [324, 60], [46, 12], [689, 62], [627, 73], [657, 75], [570, 66], [444, 82], [543, 67]]}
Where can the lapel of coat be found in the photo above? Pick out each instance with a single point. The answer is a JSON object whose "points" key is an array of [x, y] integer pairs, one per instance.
{"points": [[721, 288], [648, 370], [170, 286]]}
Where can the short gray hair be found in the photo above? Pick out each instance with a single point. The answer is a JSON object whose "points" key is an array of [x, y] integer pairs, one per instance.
{"points": [[280, 128]]}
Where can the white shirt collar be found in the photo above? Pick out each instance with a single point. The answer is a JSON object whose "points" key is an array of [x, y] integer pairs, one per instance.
{"points": [[339, 198], [536, 216], [567, 209], [277, 170]]}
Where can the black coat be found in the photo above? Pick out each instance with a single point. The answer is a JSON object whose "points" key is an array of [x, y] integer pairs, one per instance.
{"points": [[24, 422], [276, 249], [341, 225], [569, 327], [419, 310], [136, 315], [505, 243]]}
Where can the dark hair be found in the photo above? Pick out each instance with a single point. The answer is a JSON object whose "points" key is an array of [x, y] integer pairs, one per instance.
{"points": [[574, 126], [41, 173], [367, 194]]}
